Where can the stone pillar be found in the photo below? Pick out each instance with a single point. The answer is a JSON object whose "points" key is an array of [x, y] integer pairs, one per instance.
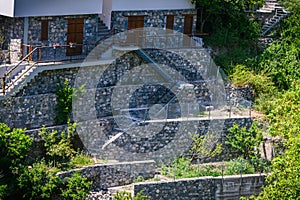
{"points": [[15, 50]]}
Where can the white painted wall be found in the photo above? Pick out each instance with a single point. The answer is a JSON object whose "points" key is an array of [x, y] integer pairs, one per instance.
{"points": [[26, 8], [121, 5], [106, 12], [7, 7]]}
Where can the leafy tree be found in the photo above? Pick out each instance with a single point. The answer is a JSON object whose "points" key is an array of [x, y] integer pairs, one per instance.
{"points": [[245, 141], [217, 8]]}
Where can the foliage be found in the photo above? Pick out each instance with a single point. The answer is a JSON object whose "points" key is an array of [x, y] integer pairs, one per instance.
{"points": [[280, 60], [284, 181], [58, 145], [122, 195], [284, 117], [140, 196], [218, 9], [183, 168], [2, 191], [245, 141], [261, 83], [38, 181], [81, 159], [239, 165], [77, 187], [205, 146], [65, 93], [14, 145]]}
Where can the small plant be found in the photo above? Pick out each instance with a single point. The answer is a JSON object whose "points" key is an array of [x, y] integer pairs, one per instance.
{"points": [[205, 146], [65, 93], [81, 159], [77, 187], [239, 165], [58, 145], [139, 179], [122, 195], [140, 196]]}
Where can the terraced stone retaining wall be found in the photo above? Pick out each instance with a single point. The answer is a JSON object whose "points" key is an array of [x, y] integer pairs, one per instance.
{"points": [[114, 174], [219, 188]]}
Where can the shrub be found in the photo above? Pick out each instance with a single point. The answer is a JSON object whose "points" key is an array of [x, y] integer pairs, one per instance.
{"points": [[65, 93], [80, 159], [58, 145], [38, 181], [237, 166], [14, 145], [3, 191], [245, 141], [77, 187], [122, 195]]}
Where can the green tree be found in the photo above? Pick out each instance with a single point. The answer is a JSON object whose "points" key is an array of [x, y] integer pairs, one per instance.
{"points": [[216, 8], [245, 141]]}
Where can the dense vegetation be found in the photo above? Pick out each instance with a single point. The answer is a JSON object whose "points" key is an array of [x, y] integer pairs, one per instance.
{"points": [[21, 177], [274, 75]]}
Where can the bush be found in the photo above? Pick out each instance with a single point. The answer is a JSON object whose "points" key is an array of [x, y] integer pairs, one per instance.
{"points": [[123, 195], [239, 165], [77, 187], [65, 93], [80, 159], [245, 141], [38, 181], [58, 145], [14, 145], [3, 191]]}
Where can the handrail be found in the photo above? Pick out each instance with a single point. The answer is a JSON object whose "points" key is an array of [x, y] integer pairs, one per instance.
{"points": [[107, 35], [21, 61]]}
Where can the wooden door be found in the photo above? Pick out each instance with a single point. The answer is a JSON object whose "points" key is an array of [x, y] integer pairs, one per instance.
{"points": [[75, 36], [170, 22], [188, 24], [187, 30], [135, 22], [134, 38]]}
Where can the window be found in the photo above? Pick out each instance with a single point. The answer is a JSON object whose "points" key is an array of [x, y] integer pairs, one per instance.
{"points": [[44, 29]]}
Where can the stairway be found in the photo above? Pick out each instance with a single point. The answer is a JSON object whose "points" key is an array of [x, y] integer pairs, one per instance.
{"points": [[272, 6]]}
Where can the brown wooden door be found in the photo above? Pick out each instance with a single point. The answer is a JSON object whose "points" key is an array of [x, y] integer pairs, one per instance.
{"points": [[188, 28], [170, 22], [188, 24], [135, 22], [75, 36], [134, 38]]}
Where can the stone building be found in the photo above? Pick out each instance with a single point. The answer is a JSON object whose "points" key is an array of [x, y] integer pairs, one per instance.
{"points": [[31, 23]]}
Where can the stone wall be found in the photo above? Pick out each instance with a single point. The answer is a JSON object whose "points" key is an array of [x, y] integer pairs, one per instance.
{"points": [[153, 18], [219, 188], [28, 111], [58, 29], [114, 174]]}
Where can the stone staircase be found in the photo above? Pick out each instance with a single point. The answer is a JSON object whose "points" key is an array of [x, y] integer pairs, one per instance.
{"points": [[277, 14]]}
